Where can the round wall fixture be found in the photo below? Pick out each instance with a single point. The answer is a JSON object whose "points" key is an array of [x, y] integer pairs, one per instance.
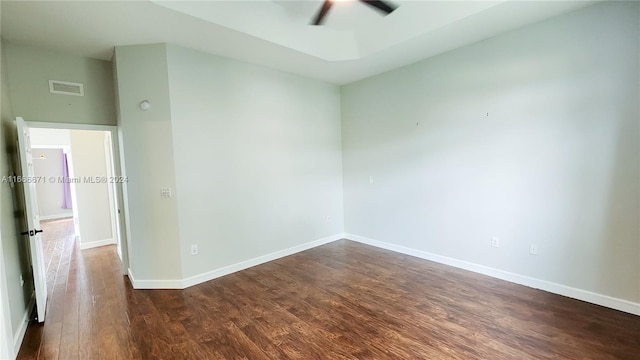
{"points": [[145, 105]]}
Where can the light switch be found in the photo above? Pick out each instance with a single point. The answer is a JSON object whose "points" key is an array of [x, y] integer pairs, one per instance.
{"points": [[166, 192]]}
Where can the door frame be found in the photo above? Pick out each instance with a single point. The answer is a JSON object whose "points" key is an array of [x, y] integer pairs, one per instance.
{"points": [[119, 213], [115, 231]]}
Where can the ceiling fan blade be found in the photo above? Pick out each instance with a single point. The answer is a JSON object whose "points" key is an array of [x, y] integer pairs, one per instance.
{"points": [[323, 12], [380, 5]]}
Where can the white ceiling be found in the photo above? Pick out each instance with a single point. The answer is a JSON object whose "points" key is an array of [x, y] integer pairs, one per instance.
{"points": [[356, 42]]}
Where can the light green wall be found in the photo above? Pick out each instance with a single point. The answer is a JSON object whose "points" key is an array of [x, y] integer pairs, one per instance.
{"points": [[146, 140], [26, 72], [258, 159], [30, 70], [238, 144], [530, 136], [14, 246]]}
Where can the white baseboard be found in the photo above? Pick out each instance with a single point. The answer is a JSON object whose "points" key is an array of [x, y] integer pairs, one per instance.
{"points": [[97, 243], [226, 270], [154, 284], [55, 217], [198, 279], [588, 296], [22, 330]]}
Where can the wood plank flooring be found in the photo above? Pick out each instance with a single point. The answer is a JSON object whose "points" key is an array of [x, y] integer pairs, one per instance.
{"points": [[343, 300]]}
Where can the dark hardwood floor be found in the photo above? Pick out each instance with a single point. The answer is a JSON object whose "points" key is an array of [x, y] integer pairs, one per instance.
{"points": [[343, 300]]}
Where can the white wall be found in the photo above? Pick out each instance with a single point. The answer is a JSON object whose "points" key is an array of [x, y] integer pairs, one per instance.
{"points": [[94, 211], [154, 244], [50, 137], [47, 163], [257, 157], [531, 136]]}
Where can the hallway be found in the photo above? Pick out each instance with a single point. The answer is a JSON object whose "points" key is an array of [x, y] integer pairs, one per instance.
{"points": [[85, 288], [58, 239]]}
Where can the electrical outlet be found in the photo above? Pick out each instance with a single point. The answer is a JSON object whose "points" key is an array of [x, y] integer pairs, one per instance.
{"points": [[495, 242], [194, 249], [533, 249], [165, 193]]}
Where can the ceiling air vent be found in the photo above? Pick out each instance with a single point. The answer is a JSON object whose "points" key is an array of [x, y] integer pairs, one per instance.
{"points": [[66, 88]]}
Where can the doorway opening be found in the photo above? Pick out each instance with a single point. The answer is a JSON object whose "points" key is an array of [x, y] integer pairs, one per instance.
{"points": [[76, 196]]}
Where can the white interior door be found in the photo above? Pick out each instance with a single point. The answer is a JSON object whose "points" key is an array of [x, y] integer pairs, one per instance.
{"points": [[33, 218]]}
